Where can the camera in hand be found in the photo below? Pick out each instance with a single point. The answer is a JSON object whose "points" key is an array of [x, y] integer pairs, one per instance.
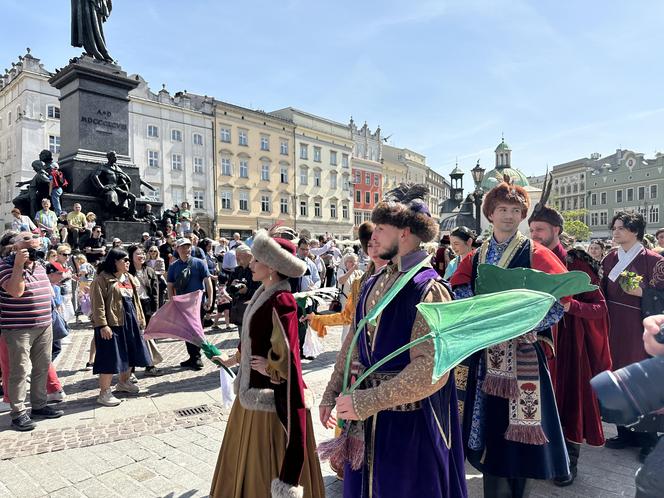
{"points": [[235, 287], [630, 393], [34, 254]]}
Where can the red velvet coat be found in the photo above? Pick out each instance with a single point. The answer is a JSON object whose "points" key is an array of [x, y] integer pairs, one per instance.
{"points": [[582, 351]]}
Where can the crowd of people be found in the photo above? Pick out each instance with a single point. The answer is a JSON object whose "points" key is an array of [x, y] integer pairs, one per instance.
{"points": [[524, 407]]}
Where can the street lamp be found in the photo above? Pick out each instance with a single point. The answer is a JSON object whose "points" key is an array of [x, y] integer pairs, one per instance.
{"points": [[478, 194]]}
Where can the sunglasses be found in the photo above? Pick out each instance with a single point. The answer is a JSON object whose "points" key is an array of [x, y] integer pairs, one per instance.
{"points": [[33, 236], [64, 254], [126, 260]]}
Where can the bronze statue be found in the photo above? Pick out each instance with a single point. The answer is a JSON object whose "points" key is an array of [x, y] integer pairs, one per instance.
{"points": [[29, 200], [87, 31], [113, 186]]}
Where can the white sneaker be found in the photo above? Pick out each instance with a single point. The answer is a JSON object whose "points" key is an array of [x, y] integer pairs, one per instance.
{"points": [[56, 397], [106, 398], [126, 387], [133, 379]]}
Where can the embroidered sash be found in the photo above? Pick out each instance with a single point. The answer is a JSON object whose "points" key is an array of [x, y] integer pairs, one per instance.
{"points": [[512, 370]]}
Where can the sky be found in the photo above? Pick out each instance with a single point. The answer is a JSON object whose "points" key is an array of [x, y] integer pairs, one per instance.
{"points": [[447, 79]]}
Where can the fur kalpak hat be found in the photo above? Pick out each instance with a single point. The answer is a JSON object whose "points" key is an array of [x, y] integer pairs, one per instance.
{"points": [[277, 253], [541, 212], [508, 193], [404, 207]]}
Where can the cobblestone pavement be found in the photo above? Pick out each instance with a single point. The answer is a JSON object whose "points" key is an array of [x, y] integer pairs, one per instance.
{"points": [[143, 448]]}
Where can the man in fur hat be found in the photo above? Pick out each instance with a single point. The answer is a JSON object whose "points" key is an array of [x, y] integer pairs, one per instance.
{"points": [[511, 428], [581, 341], [406, 428]]}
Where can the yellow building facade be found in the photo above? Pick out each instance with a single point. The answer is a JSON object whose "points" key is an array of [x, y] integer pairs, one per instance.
{"points": [[254, 170]]}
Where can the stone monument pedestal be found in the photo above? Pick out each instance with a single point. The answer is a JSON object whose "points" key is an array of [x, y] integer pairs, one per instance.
{"points": [[94, 118]]}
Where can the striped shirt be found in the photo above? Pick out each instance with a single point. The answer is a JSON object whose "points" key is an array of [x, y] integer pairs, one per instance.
{"points": [[33, 308]]}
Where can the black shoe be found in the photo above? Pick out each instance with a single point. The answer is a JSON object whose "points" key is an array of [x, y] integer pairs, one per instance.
{"points": [[23, 423], [567, 480], [619, 442], [46, 412], [644, 452], [193, 363]]}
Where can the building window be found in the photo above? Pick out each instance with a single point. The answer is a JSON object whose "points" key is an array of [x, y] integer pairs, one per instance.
{"points": [[176, 162], [603, 218], [243, 137], [376, 180], [303, 208], [653, 191], [582, 203], [317, 210], [265, 203], [375, 197], [53, 145], [346, 184], [154, 195], [244, 200], [265, 171], [177, 194], [316, 178], [198, 165], [226, 199], [244, 168], [153, 158], [576, 203], [199, 199], [333, 157], [575, 188], [225, 166], [344, 160], [357, 216], [641, 193], [53, 112], [304, 151], [630, 194], [367, 216], [367, 178], [333, 209], [283, 147], [602, 198], [344, 212], [619, 196], [358, 196], [176, 136], [198, 139], [283, 174], [153, 131], [333, 180], [283, 205], [225, 135], [594, 219], [265, 142], [317, 154], [367, 198], [304, 177], [654, 215]]}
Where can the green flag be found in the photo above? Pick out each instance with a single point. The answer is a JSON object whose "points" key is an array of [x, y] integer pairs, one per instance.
{"points": [[491, 278]]}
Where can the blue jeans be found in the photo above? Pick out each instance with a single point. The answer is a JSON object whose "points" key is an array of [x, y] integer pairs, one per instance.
{"points": [[55, 200]]}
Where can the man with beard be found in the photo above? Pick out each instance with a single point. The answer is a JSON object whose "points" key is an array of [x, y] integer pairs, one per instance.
{"points": [[581, 342], [409, 426], [511, 427]]}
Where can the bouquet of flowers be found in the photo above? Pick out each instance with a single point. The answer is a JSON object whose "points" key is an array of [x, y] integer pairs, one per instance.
{"points": [[629, 280]]}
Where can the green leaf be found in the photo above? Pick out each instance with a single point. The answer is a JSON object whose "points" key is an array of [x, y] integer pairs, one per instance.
{"points": [[461, 328], [491, 278]]}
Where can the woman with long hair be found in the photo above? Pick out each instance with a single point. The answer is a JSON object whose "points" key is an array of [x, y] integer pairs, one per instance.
{"points": [[269, 447], [461, 241], [117, 316], [596, 250], [148, 293]]}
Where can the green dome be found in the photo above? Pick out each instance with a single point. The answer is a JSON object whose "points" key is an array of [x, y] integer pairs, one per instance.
{"points": [[495, 176], [502, 146]]}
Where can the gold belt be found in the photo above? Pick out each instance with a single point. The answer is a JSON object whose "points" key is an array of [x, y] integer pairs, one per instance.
{"points": [[377, 378]]}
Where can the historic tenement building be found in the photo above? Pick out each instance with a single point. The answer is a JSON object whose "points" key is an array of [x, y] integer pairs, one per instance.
{"points": [[367, 177]]}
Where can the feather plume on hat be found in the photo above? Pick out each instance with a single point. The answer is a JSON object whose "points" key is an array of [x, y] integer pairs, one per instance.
{"points": [[541, 212]]}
